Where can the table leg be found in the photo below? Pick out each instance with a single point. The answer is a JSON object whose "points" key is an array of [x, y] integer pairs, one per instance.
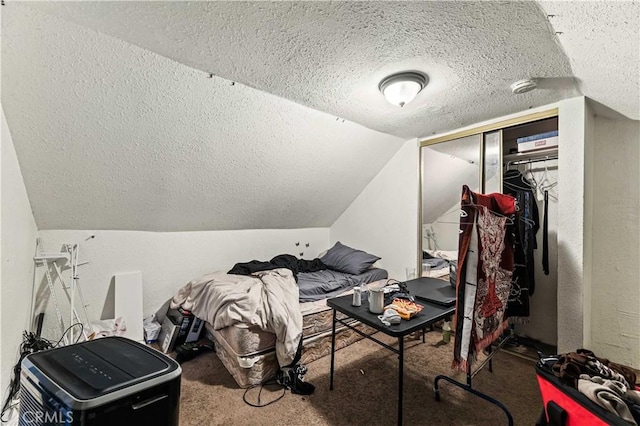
{"points": [[400, 377], [333, 348]]}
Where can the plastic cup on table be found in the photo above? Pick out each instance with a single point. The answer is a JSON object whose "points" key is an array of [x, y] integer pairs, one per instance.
{"points": [[426, 270]]}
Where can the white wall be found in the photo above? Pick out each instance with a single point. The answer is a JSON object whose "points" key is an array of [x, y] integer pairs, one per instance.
{"points": [[588, 218], [168, 260], [573, 221], [383, 219], [19, 233], [615, 271]]}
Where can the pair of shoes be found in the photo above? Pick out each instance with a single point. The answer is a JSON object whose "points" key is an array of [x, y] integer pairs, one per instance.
{"points": [[292, 378], [188, 351]]}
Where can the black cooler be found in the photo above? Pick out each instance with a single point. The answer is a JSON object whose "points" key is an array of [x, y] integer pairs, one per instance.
{"points": [[106, 381]]}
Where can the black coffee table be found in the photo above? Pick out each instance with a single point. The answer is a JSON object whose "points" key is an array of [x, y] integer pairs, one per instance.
{"points": [[430, 314]]}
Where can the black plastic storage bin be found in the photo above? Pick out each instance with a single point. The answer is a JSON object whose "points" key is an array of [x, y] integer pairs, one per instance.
{"points": [[107, 381]]}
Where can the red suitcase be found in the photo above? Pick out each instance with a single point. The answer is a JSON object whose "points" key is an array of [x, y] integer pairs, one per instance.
{"points": [[566, 406]]}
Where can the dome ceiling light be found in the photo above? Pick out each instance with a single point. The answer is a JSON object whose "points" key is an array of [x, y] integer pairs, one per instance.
{"points": [[402, 88]]}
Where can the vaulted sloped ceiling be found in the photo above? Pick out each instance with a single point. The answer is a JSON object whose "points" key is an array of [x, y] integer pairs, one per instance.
{"points": [[242, 115], [112, 136]]}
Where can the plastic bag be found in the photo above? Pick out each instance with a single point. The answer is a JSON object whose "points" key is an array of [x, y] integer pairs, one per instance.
{"points": [[151, 329], [109, 327]]}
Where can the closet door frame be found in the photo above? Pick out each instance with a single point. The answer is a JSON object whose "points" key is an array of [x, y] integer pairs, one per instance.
{"points": [[480, 130]]}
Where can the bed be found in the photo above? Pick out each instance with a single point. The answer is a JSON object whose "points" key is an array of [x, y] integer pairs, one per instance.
{"points": [[436, 263], [251, 344]]}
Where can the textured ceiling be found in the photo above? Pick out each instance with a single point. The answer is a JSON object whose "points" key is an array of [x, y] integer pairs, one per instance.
{"points": [[111, 136], [117, 124], [331, 56], [602, 41]]}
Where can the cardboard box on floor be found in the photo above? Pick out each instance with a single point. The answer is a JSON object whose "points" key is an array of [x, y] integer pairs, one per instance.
{"points": [[168, 335]]}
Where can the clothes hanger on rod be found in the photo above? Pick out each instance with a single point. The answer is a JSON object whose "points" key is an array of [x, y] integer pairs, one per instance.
{"points": [[509, 219], [545, 184], [532, 178], [545, 178], [529, 222], [547, 189], [517, 180], [520, 185], [444, 218]]}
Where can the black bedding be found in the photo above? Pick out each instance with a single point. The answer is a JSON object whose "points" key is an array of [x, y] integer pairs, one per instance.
{"points": [[280, 261], [315, 280], [328, 283]]}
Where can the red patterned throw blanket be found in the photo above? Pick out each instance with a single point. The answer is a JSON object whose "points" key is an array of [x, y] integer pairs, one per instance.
{"points": [[485, 265]]}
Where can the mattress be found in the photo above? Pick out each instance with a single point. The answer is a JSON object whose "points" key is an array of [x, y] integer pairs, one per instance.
{"points": [[246, 369], [326, 283], [248, 352]]}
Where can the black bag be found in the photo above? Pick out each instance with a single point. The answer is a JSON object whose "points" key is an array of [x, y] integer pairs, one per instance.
{"points": [[401, 293]]}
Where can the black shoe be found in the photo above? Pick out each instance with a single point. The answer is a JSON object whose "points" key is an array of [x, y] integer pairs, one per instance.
{"points": [[293, 378], [188, 351]]}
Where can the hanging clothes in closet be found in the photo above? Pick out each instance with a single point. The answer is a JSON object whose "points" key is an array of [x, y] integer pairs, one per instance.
{"points": [[524, 232], [545, 234]]}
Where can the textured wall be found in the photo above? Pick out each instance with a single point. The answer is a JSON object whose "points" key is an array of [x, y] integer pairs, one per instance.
{"points": [[19, 234], [168, 260], [383, 219], [112, 136], [615, 293], [572, 228]]}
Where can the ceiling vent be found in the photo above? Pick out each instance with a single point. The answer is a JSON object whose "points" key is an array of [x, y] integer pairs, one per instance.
{"points": [[523, 86]]}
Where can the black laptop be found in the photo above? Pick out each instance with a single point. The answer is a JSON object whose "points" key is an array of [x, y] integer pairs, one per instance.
{"points": [[432, 290]]}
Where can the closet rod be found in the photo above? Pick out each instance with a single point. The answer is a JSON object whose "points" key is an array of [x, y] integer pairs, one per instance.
{"points": [[532, 160]]}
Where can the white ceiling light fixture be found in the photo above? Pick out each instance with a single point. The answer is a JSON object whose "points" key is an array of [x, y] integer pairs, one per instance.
{"points": [[402, 88]]}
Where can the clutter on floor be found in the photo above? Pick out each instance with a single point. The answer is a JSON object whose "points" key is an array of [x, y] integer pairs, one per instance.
{"points": [[585, 389], [187, 351]]}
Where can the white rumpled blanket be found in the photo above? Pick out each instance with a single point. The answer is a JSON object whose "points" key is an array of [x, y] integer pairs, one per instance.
{"points": [[268, 299]]}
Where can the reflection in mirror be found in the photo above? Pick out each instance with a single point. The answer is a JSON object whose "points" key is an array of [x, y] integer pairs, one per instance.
{"points": [[492, 166], [446, 166]]}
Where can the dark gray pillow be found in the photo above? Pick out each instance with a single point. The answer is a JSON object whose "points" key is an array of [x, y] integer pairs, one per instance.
{"points": [[345, 259]]}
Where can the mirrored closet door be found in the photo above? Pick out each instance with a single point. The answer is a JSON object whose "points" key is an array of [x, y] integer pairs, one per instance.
{"points": [[482, 158], [492, 173], [446, 167]]}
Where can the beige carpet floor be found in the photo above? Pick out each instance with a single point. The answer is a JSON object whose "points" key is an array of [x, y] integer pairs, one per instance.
{"points": [[365, 390]]}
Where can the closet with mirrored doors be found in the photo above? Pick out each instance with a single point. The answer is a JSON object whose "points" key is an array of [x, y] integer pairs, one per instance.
{"points": [[518, 157]]}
